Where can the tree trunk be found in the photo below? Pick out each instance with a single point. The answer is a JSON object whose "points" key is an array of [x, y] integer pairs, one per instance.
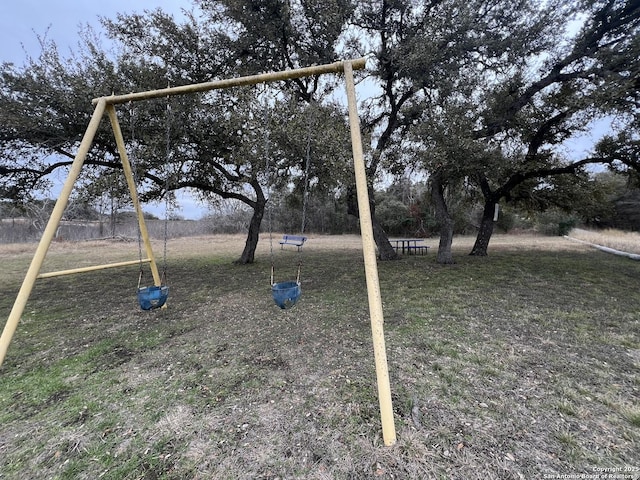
{"points": [[250, 245], [385, 250], [486, 229], [445, 256]]}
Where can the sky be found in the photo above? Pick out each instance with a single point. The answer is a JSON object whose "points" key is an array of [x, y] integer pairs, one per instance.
{"points": [[23, 21]]}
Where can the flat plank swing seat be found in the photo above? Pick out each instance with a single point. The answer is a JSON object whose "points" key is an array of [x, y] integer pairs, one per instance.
{"points": [[296, 240]]}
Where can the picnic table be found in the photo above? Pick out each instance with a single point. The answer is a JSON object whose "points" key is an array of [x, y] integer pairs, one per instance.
{"points": [[409, 245]]}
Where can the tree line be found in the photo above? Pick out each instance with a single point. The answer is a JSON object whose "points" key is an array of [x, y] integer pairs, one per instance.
{"points": [[479, 97]]}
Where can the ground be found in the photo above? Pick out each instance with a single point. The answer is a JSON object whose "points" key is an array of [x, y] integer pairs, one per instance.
{"points": [[523, 364]]}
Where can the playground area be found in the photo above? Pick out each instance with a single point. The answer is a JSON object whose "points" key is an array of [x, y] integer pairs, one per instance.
{"points": [[513, 366]]}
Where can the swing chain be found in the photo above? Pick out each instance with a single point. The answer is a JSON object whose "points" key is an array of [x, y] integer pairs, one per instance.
{"points": [[305, 196], [305, 193], [156, 296], [266, 152], [167, 206], [307, 169], [134, 168]]}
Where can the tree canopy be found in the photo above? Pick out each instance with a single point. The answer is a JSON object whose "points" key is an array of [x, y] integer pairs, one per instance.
{"points": [[479, 95]]}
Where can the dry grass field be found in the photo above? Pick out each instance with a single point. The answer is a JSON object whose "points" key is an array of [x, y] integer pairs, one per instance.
{"points": [[617, 239], [521, 365]]}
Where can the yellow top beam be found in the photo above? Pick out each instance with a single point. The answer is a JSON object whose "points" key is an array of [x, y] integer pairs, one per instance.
{"points": [[336, 67]]}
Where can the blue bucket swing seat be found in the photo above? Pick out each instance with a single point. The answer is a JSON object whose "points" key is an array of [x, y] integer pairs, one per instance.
{"points": [[286, 294], [152, 297]]}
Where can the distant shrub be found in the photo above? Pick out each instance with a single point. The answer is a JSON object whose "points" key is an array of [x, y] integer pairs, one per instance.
{"points": [[555, 222]]}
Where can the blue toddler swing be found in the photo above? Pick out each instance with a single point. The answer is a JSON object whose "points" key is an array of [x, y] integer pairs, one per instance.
{"points": [[155, 296], [152, 297], [286, 294]]}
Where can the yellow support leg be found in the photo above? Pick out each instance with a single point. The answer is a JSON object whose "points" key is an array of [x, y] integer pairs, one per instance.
{"points": [[371, 266], [49, 232]]}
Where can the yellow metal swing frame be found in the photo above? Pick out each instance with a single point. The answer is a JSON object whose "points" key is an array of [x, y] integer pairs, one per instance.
{"points": [[107, 105]]}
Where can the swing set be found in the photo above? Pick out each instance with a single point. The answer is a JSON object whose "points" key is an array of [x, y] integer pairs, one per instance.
{"points": [[153, 296]]}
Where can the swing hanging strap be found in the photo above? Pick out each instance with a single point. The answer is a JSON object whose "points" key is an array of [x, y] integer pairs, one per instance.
{"points": [[266, 145], [163, 280], [273, 271], [298, 275]]}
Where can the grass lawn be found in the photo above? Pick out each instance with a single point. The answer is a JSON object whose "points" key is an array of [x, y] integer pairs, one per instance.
{"points": [[521, 365]]}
